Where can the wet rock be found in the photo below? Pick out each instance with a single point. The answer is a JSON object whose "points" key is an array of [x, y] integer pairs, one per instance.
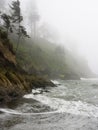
{"points": [[39, 82]]}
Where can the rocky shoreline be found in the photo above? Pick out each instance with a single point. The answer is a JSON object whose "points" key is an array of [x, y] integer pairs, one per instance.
{"points": [[14, 81], [14, 85]]}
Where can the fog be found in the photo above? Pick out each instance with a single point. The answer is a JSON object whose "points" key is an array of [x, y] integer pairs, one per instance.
{"points": [[77, 23], [74, 24]]}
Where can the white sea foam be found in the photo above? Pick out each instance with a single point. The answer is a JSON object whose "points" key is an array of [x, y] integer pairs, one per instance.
{"points": [[55, 82], [14, 112], [60, 105], [36, 90], [10, 111], [73, 107], [89, 78]]}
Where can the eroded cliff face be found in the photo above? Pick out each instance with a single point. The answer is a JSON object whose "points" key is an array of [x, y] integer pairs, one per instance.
{"points": [[12, 83], [15, 82], [6, 53], [12, 86]]}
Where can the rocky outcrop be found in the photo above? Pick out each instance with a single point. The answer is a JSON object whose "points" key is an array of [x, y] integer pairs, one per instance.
{"points": [[14, 85], [40, 82]]}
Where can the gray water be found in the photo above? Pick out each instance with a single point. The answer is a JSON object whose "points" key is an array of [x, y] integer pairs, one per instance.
{"points": [[72, 105]]}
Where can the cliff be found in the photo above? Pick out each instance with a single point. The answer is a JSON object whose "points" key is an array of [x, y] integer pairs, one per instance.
{"points": [[14, 81]]}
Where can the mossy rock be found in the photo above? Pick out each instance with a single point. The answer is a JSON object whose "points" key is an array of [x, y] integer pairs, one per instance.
{"points": [[13, 78], [19, 81], [4, 81], [24, 81]]}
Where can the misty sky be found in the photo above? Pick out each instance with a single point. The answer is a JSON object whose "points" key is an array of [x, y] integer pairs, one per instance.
{"points": [[77, 23]]}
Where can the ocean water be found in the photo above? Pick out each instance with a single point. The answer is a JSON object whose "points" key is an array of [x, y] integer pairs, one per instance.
{"points": [[72, 105]]}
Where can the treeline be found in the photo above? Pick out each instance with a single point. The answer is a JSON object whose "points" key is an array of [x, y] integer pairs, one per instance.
{"points": [[12, 22], [16, 19], [38, 54]]}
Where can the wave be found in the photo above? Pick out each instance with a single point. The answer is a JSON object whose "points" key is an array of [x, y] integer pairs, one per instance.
{"points": [[10, 111], [89, 78], [55, 82], [58, 106], [14, 112], [61, 106]]}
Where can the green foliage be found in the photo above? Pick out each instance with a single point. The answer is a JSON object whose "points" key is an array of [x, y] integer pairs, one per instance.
{"points": [[16, 12], [17, 18], [12, 23], [7, 22], [44, 58], [3, 34], [38, 60], [23, 32]]}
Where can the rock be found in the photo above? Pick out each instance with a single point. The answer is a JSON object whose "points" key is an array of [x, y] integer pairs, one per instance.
{"points": [[40, 82], [14, 85], [11, 87]]}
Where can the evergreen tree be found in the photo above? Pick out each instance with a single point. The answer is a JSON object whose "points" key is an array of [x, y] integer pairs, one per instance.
{"points": [[17, 19], [32, 17], [7, 23]]}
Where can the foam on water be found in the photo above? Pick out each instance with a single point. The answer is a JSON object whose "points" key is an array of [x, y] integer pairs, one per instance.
{"points": [[55, 109], [36, 90], [89, 79], [14, 112], [10, 111], [60, 105], [55, 82]]}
